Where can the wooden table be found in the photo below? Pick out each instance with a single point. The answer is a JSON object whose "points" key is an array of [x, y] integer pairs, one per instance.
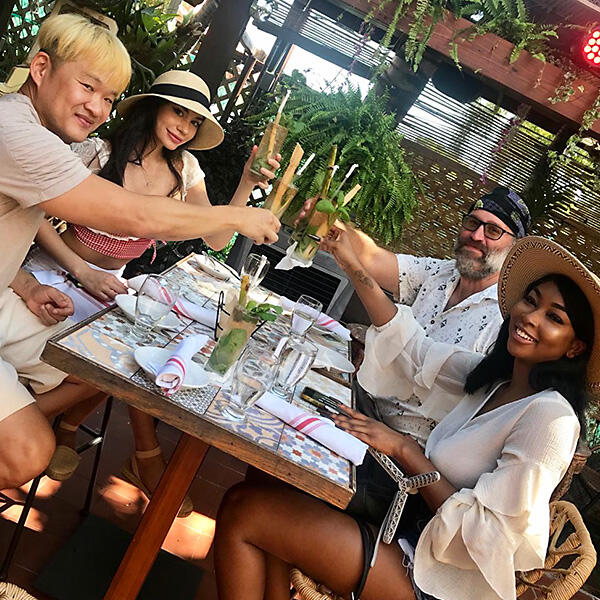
{"points": [[100, 352]]}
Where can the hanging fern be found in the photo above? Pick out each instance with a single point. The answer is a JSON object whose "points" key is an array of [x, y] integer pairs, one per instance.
{"points": [[507, 18], [365, 134]]}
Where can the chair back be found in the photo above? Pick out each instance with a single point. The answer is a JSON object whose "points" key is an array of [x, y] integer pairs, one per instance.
{"points": [[582, 453], [562, 583]]}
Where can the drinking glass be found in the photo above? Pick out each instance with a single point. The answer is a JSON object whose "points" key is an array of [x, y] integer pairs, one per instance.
{"points": [[269, 146], [295, 359], [153, 302], [253, 374], [309, 236], [306, 311], [255, 271], [232, 340]]}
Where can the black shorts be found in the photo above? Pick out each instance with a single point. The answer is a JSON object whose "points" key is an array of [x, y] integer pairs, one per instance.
{"points": [[375, 491]]}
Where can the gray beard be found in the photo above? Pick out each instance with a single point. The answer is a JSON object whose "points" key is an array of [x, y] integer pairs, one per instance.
{"points": [[477, 269]]}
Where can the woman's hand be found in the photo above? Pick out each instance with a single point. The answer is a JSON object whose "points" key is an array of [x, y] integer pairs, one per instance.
{"points": [[378, 435], [253, 179], [102, 285]]}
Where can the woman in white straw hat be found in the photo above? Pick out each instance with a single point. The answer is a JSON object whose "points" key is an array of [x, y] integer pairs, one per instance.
{"points": [[501, 452], [147, 153]]}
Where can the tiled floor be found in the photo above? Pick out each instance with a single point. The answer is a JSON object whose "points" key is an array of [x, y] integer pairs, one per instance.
{"points": [[56, 509]]}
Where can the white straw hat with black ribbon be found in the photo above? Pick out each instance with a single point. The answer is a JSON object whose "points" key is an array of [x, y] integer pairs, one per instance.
{"points": [[188, 90], [532, 258]]}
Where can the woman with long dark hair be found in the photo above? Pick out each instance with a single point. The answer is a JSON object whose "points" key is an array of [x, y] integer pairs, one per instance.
{"points": [[147, 153], [501, 451]]}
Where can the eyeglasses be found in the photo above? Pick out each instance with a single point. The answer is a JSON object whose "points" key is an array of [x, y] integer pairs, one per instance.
{"points": [[490, 230]]}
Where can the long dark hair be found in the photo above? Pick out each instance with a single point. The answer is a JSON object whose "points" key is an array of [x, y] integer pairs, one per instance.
{"points": [[131, 139], [566, 375]]}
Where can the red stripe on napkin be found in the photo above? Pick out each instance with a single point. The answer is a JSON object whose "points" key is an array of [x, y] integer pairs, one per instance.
{"points": [[177, 361]]}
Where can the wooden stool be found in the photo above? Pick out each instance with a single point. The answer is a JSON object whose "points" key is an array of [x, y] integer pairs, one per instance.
{"points": [[96, 441]]}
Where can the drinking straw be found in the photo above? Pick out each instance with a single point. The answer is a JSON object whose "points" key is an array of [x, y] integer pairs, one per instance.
{"points": [[303, 167], [276, 123], [331, 169], [244, 285], [346, 177]]}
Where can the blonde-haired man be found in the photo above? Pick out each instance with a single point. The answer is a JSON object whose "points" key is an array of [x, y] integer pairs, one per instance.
{"points": [[73, 80]]}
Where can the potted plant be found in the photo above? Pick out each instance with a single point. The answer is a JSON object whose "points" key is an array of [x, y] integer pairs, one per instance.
{"points": [[366, 135]]}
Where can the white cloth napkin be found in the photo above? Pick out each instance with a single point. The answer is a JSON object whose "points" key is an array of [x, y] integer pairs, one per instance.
{"points": [[172, 374], [289, 261], [323, 320], [49, 277], [320, 429], [201, 314]]}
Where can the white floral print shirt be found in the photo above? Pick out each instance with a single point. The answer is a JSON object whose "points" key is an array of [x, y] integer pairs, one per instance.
{"points": [[426, 284]]}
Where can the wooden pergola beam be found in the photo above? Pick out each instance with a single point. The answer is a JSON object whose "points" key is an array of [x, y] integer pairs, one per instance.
{"points": [[487, 57]]}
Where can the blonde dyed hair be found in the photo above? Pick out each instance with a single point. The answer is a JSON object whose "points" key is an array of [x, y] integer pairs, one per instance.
{"points": [[71, 37]]}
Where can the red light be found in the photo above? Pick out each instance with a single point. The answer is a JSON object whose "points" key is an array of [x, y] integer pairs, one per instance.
{"points": [[591, 47]]}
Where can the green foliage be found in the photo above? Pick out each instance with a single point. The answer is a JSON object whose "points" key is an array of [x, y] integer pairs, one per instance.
{"points": [[565, 90], [263, 312], [153, 47], [507, 18], [571, 152], [365, 134], [510, 20], [546, 190]]}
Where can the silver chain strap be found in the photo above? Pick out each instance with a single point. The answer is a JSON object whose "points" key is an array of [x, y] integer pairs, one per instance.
{"points": [[406, 485]]}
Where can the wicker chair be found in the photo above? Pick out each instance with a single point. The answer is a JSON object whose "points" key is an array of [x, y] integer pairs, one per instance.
{"points": [[9, 591], [559, 583], [582, 453]]}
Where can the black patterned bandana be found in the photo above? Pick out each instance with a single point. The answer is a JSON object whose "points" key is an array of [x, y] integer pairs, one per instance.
{"points": [[508, 206]]}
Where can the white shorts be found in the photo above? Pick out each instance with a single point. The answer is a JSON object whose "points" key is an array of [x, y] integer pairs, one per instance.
{"points": [[22, 339]]}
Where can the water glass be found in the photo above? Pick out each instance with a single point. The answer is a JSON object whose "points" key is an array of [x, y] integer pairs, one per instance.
{"points": [[253, 374], [153, 302], [295, 359], [256, 268], [306, 311]]}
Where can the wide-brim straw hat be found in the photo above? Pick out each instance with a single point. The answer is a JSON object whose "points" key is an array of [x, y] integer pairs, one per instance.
{"points": [[532, 258], [187, 90]]}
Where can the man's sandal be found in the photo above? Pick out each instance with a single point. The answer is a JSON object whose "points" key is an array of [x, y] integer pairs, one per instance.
{"points": [[65, 460], [131, 473]]}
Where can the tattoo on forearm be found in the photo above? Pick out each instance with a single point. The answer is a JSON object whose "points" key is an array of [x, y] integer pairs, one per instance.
{"points": [[363, 278]]}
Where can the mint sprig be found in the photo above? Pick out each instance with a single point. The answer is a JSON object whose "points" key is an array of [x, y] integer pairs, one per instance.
{"points": [[264, 312]]}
